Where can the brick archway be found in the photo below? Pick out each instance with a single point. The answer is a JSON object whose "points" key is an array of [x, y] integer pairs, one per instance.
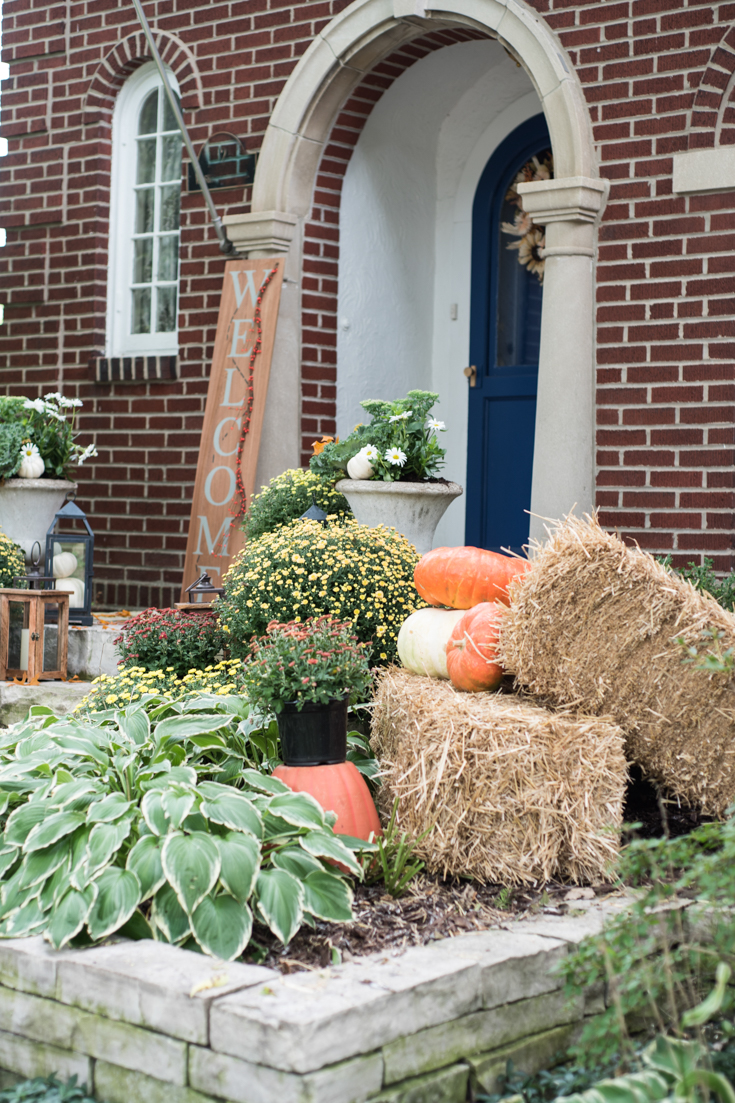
{"points": [[713, 113], [128, 55]]}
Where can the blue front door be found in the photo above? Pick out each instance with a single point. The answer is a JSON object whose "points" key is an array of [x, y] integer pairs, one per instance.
{"points": [[505, 328]]}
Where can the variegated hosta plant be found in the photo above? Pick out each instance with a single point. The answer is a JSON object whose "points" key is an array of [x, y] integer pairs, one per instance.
{"points": [[156, 825]]}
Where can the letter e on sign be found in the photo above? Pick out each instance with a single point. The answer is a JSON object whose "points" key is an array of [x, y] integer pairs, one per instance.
{"points": [[214, 531]]}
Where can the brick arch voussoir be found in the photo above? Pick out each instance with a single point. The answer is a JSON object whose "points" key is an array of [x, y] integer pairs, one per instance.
{"points": [[320, 268], [128, 55], [713, 115]]}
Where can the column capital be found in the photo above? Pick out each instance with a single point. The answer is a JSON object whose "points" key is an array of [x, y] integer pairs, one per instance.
{"points": [[261, 233], [569, 199]]}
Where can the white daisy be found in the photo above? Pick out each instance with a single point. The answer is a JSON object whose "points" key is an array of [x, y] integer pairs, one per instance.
{"points": [[401, 417], [395, 456], [370, 452], [439, 426], [28, 451], [36, 404]]}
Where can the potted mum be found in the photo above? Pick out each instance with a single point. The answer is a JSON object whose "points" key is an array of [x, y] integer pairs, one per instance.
{"points": [[305, 672], [392, 467], [38, 452]]}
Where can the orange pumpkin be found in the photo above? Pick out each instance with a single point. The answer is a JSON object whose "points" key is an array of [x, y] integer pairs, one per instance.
{"points": [[339, 788], [473, 647], [463, 577]]}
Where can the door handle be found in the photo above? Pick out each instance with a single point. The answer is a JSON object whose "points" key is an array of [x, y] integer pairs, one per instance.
{"points": [[471, 374]]}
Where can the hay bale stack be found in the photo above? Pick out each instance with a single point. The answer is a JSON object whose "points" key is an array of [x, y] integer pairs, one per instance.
{"points": [[594, 626], [515, 793]]}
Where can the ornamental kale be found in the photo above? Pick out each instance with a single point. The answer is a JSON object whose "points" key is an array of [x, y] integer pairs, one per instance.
{"points": [[400, 443], [317, 660]]}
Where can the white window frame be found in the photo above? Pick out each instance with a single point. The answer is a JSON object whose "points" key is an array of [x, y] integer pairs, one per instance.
{"points": [[120, 340]]}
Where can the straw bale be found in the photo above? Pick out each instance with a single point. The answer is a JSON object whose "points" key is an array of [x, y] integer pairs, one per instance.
{"points": [[514, 793], [595, 625]]}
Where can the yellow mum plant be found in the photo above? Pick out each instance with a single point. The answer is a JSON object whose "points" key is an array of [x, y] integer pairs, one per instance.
{"points": [[133, 683], [350, 572]]}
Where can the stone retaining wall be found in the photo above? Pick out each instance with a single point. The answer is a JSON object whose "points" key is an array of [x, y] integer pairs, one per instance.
{"points": [[145, 1022]]}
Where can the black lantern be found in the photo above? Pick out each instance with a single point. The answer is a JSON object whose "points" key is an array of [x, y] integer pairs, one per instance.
{"points": [[69, 554], [33, 578], [203, 590]]}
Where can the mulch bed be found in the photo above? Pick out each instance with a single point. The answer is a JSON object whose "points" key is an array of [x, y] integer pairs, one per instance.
{"points": [[432, 908]]}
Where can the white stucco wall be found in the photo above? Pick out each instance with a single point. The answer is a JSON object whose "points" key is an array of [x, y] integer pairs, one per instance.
{"points": [[405, 237]]}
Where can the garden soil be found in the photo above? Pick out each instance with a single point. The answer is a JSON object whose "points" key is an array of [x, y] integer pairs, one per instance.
{"points": [[595, 626], [507, 790]]}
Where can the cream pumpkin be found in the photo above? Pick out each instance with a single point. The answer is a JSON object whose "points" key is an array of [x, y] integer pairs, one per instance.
{"points": [[75, 588], [423, 638], [64, 564]]}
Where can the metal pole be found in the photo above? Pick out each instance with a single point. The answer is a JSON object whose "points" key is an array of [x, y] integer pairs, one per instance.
{"points": [[226, 246]]}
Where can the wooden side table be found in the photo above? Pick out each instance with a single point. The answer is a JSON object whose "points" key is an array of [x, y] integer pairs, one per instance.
{"points": [[34, 604]]}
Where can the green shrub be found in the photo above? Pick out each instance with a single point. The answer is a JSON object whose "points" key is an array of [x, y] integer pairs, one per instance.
{"points": [[159, 824], [350, 572], [168, 639], [704, 578], [46, 1090], [12, 560], [288, 496], [11, 439]]}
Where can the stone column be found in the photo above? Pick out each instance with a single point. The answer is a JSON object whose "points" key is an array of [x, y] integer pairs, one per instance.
{"points": [[563, 462]]}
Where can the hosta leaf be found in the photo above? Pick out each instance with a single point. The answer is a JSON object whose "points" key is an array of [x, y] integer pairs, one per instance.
{"points": [[41, 864], [183, 727], [280, 899], [105, 839], [299, 809], [55, 887], [177, 804], [295, 860], [328, 897], [153, 813], [263, 783], [240, 858], [78, 867], [322, 844], [70, 914], [234, 811], [222, 926], [137, 927], [169, 916], [145, 861], [135, 724], [209, 741], [110, 808], [54, 827], [22, 821], [7, 857], [83, 748], [117, 899], [27, 919], [73, 796], [12, 895], [191, 864], [185, 775]]}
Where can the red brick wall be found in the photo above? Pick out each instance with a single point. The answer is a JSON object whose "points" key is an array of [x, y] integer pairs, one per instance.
{"points": [[658, 78]]}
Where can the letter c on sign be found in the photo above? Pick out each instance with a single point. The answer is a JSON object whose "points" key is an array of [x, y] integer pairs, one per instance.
{"points": [[208, 486], [216, 438]]}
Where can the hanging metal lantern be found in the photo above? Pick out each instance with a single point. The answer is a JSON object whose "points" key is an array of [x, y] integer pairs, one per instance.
{"points": [[69, 556]]}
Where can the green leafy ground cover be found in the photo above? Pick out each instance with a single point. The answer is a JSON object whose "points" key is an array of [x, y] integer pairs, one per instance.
{"points": [[46, 1090]]}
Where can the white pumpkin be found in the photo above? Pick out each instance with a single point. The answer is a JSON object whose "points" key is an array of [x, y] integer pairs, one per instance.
{"points": [[64, 564], [32, 466], [359, 467], [75, 588], [423, 638]]}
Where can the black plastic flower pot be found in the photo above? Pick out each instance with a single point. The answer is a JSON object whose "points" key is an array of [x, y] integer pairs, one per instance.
{"points": [[314, 735]]}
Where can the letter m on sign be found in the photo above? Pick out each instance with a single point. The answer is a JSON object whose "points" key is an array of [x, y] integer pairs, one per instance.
{"points": [[214, 530]]}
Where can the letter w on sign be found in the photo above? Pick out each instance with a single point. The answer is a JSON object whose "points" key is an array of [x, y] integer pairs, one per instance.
{"points": [[214, 531]]}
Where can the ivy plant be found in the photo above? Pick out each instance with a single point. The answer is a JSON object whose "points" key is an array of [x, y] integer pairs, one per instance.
{"points": [[154, 825]]}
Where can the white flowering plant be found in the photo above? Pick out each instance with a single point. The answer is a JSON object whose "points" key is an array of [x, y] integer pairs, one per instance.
{"points": [[47, 428], [401, 443]]}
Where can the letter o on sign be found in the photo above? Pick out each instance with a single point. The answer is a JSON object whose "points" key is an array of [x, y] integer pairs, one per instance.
{"points": [[230, 486]]}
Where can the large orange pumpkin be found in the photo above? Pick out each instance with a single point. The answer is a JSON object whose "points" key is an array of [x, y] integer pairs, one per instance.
{"points": [[473, 647], [463, 577], [339, 788]]}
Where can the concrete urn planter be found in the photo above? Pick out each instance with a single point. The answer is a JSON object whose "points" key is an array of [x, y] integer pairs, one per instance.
{"points": [[413, 509], [27, 508]]}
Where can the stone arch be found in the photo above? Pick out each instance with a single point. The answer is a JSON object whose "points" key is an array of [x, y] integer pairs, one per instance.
{"points": [[713, 112], [128, 55], [355, 43]]}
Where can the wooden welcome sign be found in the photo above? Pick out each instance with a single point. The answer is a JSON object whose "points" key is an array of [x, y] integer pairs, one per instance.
{"points": [[233, 418]]}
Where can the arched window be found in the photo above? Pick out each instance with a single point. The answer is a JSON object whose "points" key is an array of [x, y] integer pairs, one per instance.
{"points": [[144, 220]]}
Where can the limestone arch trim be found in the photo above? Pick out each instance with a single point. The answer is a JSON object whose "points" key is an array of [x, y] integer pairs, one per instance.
{"points": [[366, 32], [127, 56]]}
